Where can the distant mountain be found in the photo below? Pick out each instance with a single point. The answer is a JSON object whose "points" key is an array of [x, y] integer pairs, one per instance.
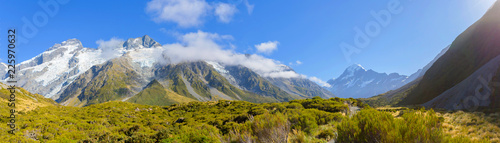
{"points": [[358, 82], [138, 71], [394, 96]]}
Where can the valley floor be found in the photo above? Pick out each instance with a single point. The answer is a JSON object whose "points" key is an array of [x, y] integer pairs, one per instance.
{"points": [[305, 120]]}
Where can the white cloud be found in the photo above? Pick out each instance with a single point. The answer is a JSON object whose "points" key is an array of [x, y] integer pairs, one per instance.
{"points": [[319, 81], [110, 48], [249, 7], [295, 63], [298, 62], [203, 46], [225, 12], [186, 13], [191, 13], [267, 47]]}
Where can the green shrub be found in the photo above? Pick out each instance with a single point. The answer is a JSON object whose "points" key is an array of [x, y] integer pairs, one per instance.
{"points": [[370, 125], [294, 106], [271, 128]]}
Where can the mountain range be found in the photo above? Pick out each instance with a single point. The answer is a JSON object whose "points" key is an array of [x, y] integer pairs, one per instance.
{"points": [[138, 71], [464, 75], [358, 82]]}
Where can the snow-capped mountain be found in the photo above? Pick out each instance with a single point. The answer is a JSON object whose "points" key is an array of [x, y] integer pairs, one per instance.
{"points": [[74, 75], [51, 71], [140, 43], [358, 82]]}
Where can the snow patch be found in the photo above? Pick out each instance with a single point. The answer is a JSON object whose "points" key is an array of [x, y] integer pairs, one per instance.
{"points": [[219, 68], [366, 83], [146, 57]]}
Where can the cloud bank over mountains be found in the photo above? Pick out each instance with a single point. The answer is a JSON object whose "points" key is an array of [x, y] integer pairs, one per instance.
{"points": [[206, 46]]}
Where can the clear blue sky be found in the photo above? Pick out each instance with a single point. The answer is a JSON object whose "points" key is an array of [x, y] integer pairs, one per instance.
{"points": [[306, 31]]}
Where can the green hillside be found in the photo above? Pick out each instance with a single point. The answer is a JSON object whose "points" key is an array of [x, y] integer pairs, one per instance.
{"points": [[25, 101], [201, 77], [156, 94], [113, 80]]}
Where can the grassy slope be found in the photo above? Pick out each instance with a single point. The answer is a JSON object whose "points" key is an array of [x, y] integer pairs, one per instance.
{"points": [[156, 94], [25, 101], [476, 125]]}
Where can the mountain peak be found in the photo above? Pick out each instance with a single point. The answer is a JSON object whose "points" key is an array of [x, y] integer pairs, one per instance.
{"points": [[69, 42], [140, 42], [355, 67], [352, 70], [154, 83]]}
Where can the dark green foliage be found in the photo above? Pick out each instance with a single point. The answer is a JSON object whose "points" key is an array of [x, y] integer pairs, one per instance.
{"points": [[220, 121]]}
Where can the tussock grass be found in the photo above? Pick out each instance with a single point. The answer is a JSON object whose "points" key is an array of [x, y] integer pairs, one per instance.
{"points": [[475, 125]]}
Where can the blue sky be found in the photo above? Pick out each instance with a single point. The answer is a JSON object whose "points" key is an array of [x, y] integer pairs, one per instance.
{"points": [[309, 32]]}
